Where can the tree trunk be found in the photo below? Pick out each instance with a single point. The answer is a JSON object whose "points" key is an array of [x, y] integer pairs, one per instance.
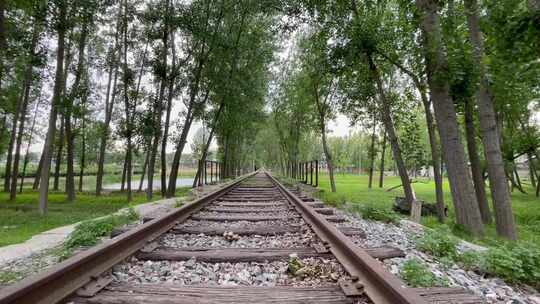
{"points": [[504, 218], [170, 96], [11, 145], [3, 40], [24, 106], [159, 113], [383, 155], [538, 189], [435, 158], [37, 175], [55, 103], [476, 167], [29, 144], [109, 106], [124, 171], [171, 190], [322, 126], [129, 126], [391, 131], [208, 141], [466, 206], [70, 137], [58, 158], [83, 155], [372, 155], [145, 166], [532, 170]]}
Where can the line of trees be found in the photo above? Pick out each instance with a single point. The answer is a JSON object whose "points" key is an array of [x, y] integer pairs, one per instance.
{"points": [[133, 76], [468, 67]]}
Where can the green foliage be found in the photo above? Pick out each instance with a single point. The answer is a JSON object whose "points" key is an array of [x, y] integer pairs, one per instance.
{"points": [[502, 262], [379, 214], [416, 274], [515, 263], [21, 219], [7, 277], [471, 260], [294, 264], [439, 243], [89, 232]]}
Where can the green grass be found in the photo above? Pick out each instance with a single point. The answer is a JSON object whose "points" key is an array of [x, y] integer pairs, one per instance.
{"points": [[354, 189], [20, 220]]}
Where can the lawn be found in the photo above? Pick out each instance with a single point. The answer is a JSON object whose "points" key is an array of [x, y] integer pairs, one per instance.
{"points": [[20, 220], [354, 189]]}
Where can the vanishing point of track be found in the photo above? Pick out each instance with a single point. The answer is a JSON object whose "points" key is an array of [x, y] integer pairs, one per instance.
{"points": [[270, 209]]}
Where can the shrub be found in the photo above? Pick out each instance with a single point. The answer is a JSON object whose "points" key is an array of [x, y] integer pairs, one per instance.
{"points": [[501, 262], [471, 260], [438, 243], [89, 232], [515, 263], [379, 214], [417, 274]]}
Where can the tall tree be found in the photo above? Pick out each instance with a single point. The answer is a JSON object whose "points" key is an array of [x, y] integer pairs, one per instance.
{"points": [[61, 27], [466, 206], [27, 87], [504, 219]]}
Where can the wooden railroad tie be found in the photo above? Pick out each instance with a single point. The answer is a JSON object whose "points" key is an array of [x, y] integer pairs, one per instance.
{"points": [[169, 293], [241, 255]]}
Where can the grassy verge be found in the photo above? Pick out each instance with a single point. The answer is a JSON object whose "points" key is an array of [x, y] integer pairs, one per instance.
{"points": [[516, 263], [354, 189], [20, 220]]}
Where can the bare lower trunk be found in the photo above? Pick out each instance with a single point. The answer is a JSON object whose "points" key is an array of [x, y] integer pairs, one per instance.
{"points": [[466, 206], [436, 159], [105, 135], [70, 136], [70, 170], [124, 171], [476, 168], [532, 170], [127, 105], [538, 189], [57, 95], [504, 219], [29, 144], [383, 155], [145, 166], [37, 176], [168, 119], [83, 154], [27, 88], [392, 136], [83, 162], [109, 106], [58, 158], [11, 145], [372, 157], [208, 141], [329, 163]]}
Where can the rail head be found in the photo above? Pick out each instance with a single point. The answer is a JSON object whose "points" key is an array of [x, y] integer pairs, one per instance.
{"points": [[380, 285], [63, 279]]}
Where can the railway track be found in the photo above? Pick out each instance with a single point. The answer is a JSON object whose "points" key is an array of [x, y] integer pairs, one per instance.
{"points": [[253, 241]]}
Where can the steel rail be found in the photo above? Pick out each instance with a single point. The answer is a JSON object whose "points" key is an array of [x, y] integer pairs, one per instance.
{"points": [[63, 279], [380, 285]]}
